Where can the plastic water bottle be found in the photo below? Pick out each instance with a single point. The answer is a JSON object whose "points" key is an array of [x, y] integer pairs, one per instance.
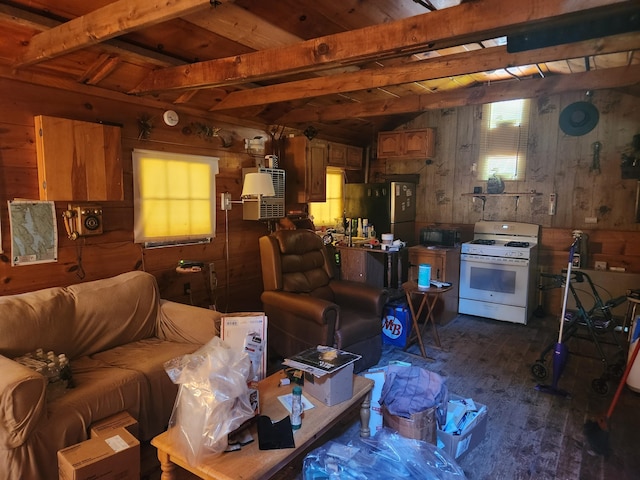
{"points": [[55, 387], [65, 371], [296, 408]]}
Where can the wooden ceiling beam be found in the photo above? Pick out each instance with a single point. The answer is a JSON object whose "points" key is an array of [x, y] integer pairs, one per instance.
{"points": [[243, 27], [129, 52], [487, 59], [466, 23], [107, 22], [496, 92]]}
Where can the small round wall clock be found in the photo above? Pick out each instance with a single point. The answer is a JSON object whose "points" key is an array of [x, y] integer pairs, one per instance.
{"points": [[171, 118]]}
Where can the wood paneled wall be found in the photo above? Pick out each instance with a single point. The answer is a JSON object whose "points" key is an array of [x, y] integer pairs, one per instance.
{"points": [[556, 163], [90, 258]]}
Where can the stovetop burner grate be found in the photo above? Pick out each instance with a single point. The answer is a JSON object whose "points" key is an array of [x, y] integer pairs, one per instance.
{"points": [[483, 241], [517, 244]]}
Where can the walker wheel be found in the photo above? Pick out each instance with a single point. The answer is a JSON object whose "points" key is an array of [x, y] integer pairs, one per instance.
{"points": [[539, 370], [616, 371], [600, 386]]}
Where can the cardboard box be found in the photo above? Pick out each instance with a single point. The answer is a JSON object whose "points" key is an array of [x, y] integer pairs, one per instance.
{"points": [[113, 457], [119, 420], [247, 331], [396, 324], [421, 425], [375, 418], [332, 388], [457, 445]]}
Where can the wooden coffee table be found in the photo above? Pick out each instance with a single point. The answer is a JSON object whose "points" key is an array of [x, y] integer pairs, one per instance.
{"points": [[252, 463]]}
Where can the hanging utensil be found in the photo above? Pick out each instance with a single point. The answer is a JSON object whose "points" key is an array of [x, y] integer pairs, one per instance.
{"points": [[595, 164]]}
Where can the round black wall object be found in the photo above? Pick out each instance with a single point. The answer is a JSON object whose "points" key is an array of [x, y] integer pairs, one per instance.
{"points": [[579, 118]]}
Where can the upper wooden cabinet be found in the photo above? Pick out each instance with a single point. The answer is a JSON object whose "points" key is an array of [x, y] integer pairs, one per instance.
{"points": [[305, 162], [407, 144], [78, 161], [345, 156]]}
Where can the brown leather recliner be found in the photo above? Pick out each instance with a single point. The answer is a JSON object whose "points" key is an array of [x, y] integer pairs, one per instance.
{"points": [[306, 306]]}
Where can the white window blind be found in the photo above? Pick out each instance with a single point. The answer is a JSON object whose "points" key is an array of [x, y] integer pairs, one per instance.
{"points": [[329, 213], [174, 198], [503, 139]]}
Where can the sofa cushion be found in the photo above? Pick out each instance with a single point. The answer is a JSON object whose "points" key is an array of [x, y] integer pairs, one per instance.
{"points": [[148, 357], [81, 319], [113, 311], [42, 319]]}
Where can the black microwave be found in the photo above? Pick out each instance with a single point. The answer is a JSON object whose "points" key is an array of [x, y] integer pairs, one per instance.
{"points": [[439, 237]]}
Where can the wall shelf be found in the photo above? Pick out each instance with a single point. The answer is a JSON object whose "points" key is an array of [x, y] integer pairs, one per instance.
{"points": [[483, 196], [505, 194]]}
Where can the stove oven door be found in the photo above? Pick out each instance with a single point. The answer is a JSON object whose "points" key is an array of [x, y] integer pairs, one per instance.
{"points": [[494, 287]]}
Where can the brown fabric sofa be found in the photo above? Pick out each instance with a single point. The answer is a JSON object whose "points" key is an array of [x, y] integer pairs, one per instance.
{"points": [[307, 307], [117, 333]]}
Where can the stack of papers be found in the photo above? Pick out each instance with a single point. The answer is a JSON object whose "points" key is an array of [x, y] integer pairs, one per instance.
{"points": [[460, 413], [321, 360]]}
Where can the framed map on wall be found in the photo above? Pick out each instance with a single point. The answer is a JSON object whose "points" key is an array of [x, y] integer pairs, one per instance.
{"points": [[34, 232]]}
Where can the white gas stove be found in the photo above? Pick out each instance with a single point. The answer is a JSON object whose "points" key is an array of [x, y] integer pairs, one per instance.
{"points": [[498, 271]]}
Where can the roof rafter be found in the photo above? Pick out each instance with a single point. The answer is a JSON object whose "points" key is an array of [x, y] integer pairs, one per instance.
{"points": [[492, 58], [110, 21], [465, 23], [499, 91]]}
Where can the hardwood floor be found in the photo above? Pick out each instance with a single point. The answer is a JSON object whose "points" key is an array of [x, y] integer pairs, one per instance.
{"points": [[530, 434]]}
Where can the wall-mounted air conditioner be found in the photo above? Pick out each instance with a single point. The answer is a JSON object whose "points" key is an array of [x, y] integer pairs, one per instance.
{"points": [[267, 208]]}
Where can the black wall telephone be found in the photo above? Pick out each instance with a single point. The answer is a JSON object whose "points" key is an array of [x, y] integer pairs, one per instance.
{"points": [[82, 220]]}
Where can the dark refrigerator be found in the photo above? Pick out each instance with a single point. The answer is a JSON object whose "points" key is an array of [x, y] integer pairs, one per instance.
{"points": [[390, 207]]}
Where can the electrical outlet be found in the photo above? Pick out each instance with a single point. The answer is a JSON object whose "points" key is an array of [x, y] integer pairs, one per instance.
{"points": [[591, 220]]}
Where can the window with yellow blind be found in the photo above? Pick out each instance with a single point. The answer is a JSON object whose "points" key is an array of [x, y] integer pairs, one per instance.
{"points": [[174, 198], [503, 140], [329, 213]]}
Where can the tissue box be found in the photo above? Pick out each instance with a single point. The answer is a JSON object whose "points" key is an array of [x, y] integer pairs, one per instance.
{"points": [[331, 388], [396, 324], [472, 435]]}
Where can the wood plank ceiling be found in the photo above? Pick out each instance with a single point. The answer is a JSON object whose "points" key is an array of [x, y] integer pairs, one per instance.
{"points": [[347, 68]]}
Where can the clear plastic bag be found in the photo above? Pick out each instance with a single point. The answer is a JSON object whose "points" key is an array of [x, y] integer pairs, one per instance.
{"points": [[212, 401], [387, 455]]}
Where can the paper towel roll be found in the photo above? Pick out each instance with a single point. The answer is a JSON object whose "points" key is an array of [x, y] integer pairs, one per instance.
{"points": [[424, 275]]}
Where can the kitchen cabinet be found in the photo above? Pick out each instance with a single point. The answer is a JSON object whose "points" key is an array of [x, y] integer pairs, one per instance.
{"points": [[445, 267], [353, 264], [78, 161], [305, 163], [345, 156], [407, 143], [380, 268]]}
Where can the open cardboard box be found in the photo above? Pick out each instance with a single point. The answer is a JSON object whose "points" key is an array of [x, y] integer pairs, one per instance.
{"points": [[469, 438]]}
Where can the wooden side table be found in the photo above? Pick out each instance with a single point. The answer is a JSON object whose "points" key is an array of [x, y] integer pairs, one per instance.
{"points": [[428, 302]]}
